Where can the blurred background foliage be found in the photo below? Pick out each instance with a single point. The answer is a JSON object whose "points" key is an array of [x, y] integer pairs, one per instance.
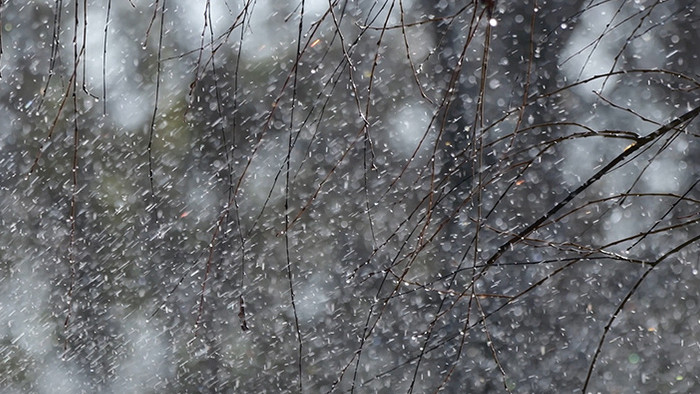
{"points": [[382, 159]]}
